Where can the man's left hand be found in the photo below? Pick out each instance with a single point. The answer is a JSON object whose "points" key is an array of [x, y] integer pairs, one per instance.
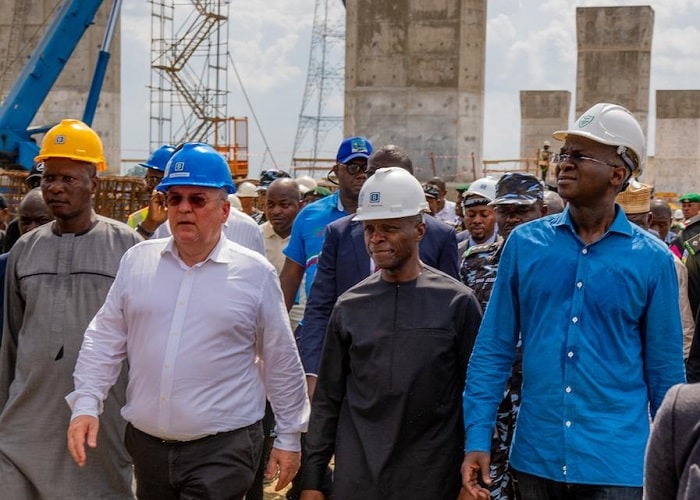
{"points": [[81, 429], [288, 463]]}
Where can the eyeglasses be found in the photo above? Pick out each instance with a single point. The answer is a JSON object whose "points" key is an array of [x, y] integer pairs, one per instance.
{"points": [[355, 168], [195, 200], [575, 158]]}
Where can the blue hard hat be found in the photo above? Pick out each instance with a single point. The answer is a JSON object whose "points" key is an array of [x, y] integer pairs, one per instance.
{"points": [[197, 164], [159, 158]]}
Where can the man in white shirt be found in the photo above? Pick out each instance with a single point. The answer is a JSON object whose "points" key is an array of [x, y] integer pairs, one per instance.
{"points": [[202, 323]]}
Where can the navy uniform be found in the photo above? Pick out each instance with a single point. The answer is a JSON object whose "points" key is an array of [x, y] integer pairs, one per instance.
{"points": [[478, 270]]}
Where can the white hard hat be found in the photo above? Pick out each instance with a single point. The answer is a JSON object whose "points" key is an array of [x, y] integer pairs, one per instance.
{"points": [[614, 125], [247, 190], [307, 181], [484, 188], [390, 193], [235, 202]]}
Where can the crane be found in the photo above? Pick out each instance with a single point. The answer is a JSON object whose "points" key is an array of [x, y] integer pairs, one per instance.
{"points": [[38, 76]]}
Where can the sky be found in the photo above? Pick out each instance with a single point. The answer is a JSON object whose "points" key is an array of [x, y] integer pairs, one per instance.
{"points": [[531, 45]]}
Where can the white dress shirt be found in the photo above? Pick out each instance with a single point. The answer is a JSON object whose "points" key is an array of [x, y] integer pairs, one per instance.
{"points": [[195, 338], [448, 214], [239, 228]]}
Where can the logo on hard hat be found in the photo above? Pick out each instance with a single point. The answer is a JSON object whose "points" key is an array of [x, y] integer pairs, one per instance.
{"points": [[358, 146], [60, 139], [585, 120], [374, 197], [179, 166]]}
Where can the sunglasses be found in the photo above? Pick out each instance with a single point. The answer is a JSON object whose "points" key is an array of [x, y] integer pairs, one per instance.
{"points": [[355, 168], [195, 200]]}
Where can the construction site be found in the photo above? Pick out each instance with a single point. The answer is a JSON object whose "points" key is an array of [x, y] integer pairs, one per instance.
{"points": [[409, 75]]}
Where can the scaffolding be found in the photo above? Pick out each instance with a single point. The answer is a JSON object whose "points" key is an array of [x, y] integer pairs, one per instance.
{"points": [[189, 79], [323, 102]]}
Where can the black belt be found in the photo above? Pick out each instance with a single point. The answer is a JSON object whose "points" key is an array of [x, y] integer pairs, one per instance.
{"points": [[176, 442]]}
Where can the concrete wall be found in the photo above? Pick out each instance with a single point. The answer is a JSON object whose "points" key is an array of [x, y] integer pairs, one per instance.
{"points": [[541, 113], [21, 27], [614, 56], [414, 76], [677, 151]]}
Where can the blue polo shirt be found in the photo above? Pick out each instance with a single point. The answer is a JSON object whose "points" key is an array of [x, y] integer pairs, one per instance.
{"points": [[602, 343], [308, 232]]}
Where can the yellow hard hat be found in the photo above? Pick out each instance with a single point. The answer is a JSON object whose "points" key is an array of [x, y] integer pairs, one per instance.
{"points": [[74, 140]]}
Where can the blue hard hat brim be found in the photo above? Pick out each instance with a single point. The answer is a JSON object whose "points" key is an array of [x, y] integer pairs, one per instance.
{"points": [[164, 186], [151, 167]]}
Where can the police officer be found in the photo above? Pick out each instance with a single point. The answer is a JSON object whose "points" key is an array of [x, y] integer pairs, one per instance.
{"points": [[519, 199]]}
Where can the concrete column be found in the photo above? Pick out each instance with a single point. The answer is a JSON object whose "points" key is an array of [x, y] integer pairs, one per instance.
{"points": [[614, 56], [21, 28], [541, 113], [677, 151], [415, 78]]}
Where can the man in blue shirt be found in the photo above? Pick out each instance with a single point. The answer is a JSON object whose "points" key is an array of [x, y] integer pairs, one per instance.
{"points": [[600, 327], [309, 227]]}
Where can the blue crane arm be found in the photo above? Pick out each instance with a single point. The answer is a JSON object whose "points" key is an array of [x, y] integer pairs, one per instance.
{"points": [[101, 68], [39, 75]]}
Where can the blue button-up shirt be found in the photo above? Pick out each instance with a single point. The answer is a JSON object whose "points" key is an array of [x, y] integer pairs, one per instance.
{"points": [[309, 231], [602, 343]]}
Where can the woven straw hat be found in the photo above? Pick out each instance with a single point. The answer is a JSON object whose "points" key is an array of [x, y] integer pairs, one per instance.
{"points": [[636, 199]]}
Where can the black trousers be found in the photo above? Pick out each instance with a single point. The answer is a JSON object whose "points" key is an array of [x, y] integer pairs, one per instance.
{"points": [[268, 422], [217, 467]]}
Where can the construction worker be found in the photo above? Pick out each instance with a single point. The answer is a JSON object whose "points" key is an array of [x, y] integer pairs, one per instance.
{"points": [[545, 157], [387, 403], [146, 220], [201, 322], [247, 192], [58, 276]]}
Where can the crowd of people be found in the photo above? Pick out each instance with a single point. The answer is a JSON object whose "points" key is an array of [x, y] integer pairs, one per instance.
{"points": [[371, 341]]}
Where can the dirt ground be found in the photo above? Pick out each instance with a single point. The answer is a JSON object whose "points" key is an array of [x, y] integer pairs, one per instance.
{"points": [[271, 494]]}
